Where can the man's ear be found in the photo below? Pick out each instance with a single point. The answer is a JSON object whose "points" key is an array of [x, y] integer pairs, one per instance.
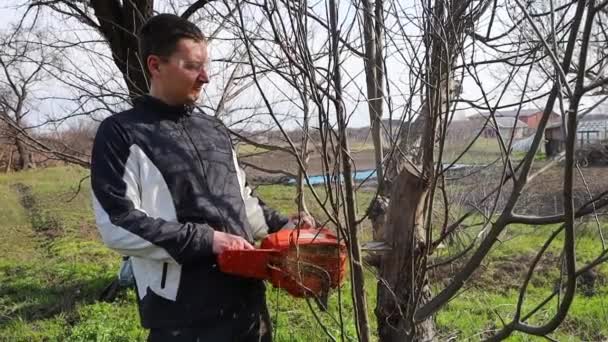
{"points": [[153, 64]]}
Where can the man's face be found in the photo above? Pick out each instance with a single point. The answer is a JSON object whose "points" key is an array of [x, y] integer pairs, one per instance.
{"points": [[181, 76]]}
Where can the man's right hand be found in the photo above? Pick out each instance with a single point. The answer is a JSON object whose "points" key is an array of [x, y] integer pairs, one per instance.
{"points": [[223, 241]]}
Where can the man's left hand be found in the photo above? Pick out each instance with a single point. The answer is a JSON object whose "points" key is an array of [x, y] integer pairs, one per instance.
{"points": [[302, 220]]}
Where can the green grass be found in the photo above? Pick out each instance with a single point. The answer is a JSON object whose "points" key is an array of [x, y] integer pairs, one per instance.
{"points": [[491, 296], [586, 322], [53, 267], [248, 149], [52, 263], [483, 151]]}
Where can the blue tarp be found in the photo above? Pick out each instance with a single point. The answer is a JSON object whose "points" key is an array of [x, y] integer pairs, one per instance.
{"points": [[363, 175], [359, 176]]}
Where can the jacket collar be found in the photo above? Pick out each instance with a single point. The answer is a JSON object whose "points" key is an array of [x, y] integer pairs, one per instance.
{"points": [[154, 105]]}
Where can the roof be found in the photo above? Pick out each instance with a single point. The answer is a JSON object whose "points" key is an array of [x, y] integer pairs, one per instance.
{"points": [[594, 116], [586, 125], [523, 113], [513, 113], [510, 113], [509, 123], [593, 125]]}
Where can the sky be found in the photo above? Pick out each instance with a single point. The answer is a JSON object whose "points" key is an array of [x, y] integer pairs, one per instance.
{"points": [[52, 95]]}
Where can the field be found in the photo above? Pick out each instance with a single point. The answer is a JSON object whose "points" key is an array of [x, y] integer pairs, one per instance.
{"points": [[482, 152], [53, 267]]}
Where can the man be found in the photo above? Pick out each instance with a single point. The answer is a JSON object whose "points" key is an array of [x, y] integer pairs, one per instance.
{"points": [[167, 191]]}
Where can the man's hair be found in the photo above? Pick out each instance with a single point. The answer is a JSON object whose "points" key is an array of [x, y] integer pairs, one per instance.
{"points": [[160, 34]]}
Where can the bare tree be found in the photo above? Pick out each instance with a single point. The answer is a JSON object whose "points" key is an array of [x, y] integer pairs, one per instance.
{"points": [[110, 37], [438, 59], [118, 22], [408, 320], [22, 67]]}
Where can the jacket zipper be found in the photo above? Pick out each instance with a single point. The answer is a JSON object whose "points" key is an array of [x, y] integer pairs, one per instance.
{"points": [[163, 280]]}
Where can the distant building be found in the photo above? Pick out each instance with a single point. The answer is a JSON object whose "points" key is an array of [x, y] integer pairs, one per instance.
{"points": [[588, 132], [507, 127], [531, 117], [461, 130]]}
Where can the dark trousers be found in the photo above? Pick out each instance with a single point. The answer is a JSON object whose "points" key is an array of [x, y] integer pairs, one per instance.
{"points": [[249, 326]]}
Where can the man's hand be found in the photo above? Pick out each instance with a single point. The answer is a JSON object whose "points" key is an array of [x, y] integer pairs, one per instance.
{"points": [[303, 220], [224, 241]]}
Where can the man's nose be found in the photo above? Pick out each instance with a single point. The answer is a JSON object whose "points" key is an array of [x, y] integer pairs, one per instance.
{"points": [[203, 77]]}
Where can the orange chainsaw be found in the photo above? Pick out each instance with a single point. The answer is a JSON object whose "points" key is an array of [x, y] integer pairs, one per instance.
{"points": [[304, 262]]}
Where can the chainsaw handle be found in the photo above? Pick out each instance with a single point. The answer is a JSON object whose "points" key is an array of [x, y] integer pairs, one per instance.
{"points": [[248, 263]]}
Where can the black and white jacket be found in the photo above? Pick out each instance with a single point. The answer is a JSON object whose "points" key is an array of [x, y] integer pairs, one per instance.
{"points": [[164, 178]]}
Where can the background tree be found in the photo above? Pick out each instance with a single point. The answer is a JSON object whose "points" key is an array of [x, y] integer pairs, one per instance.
{"points": [[23, 68]]}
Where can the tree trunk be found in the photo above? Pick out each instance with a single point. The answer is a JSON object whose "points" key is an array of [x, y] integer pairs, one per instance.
{"points": [[301, 181], [405, 285], [9, 162], [300, 198], [24, 161], [120, 24], [356, 265], [401, 290], [23, 158], [374, 76], [373, 27], [304, 155]]}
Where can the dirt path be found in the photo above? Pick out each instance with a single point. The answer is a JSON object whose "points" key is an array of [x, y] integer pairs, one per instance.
{"points": [[49, 293], [43, 223]]}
